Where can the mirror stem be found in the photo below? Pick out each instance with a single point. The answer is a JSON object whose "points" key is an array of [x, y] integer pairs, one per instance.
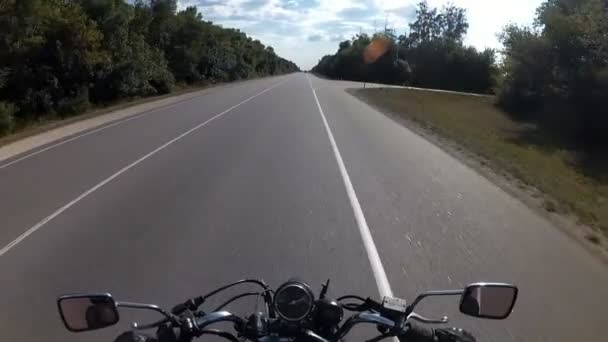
{"points": [[420, 297]]}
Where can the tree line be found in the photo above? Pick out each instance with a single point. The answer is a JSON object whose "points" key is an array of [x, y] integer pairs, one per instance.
{"points": [[59, 57], [431, 55], [554, 72]]}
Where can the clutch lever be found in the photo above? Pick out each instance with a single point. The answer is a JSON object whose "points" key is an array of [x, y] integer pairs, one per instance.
{"points": [[423, 319]]}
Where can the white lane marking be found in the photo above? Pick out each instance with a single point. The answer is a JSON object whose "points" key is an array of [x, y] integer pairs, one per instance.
{"points": [[123, 170], [370, 247], [95, 131], [121, 121]]}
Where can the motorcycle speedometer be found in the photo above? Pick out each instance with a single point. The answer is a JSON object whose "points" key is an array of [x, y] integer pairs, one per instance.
{"points": [[293, 301]]}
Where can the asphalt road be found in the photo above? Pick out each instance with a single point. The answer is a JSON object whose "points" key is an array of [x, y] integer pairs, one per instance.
{"points": [[243, 181]]}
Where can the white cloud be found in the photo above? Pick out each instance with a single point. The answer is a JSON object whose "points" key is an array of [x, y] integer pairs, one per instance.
{"points": [[487, 18], [305, 30]]}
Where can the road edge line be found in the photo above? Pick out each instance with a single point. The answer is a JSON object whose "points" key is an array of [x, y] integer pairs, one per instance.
{"points": [[59, 211], [382, 282], [77, 135], [94, 130]]}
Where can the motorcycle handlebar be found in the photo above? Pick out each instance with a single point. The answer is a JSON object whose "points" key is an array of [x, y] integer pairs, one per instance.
{"points": [[216, 317], [412, 332], [201, 323], [365, 317], [418, 333]]}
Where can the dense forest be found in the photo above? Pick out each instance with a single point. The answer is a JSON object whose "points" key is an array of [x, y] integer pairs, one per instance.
{"points": [[554, 72], [59, 57]]}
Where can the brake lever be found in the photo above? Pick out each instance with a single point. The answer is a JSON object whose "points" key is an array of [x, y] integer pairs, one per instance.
{"points": [[169, 317], [423, 319]]}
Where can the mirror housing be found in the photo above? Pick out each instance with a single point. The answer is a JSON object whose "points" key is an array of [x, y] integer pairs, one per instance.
{"points": [[488, 300], [85, 312]]}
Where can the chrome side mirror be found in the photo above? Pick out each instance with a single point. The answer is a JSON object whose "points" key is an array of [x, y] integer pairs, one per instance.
{"points": [[488, 300], [84, 312]]}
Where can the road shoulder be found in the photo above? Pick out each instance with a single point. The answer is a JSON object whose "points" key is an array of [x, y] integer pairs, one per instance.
{"points": [[33, 140], [529, 195], [88, 122]]}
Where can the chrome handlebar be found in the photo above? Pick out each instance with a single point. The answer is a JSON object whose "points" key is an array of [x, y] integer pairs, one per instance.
{"points": [[216, 317], [360, 318]]}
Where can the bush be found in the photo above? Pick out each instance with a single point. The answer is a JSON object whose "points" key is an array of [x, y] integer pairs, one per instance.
{"points": [[163, 84], [519, 100], [35, 103], [7, 118], [74, 105], [562, 59], [161, 78], [591, 97]]}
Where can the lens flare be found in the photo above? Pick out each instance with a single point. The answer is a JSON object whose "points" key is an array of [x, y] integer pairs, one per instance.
{"points": [[376, 48]]}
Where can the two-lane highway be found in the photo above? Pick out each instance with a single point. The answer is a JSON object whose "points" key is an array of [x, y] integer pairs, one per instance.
{"points": [[244, 181]]}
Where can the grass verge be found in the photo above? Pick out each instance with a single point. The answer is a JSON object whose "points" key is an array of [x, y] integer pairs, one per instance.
{"points": [[485, 131]]}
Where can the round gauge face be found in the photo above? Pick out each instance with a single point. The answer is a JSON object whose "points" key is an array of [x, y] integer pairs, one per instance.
{"points": [[293, 301]]}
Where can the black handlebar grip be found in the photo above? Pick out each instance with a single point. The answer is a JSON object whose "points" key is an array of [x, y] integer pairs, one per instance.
{"points": [[453, 335], [420, 333], [417, 333]]}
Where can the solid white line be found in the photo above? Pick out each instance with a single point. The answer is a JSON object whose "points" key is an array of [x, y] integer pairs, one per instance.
{"points": [[370, 247], [94, 131], [123, 170]]}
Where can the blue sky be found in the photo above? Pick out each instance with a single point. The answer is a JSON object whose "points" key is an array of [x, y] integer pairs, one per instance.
{"points": [[305, 30]]}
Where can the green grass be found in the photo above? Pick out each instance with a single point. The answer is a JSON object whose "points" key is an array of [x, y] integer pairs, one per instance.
{"points": [[517, 148]]}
